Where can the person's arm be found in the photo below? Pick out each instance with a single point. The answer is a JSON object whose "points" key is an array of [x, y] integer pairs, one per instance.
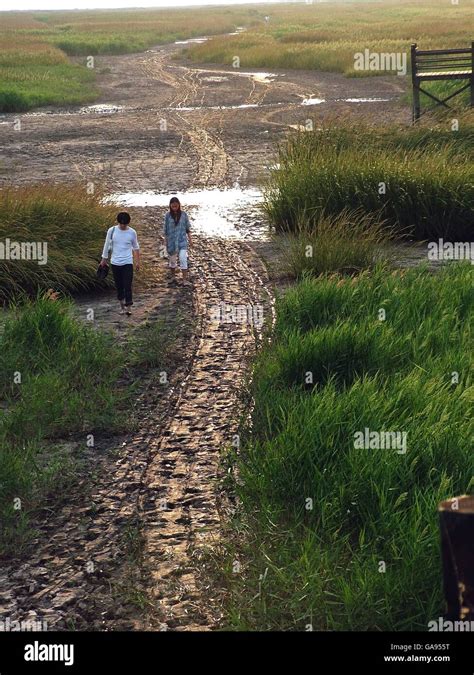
{"points": [[105, 252], [188, 231], [136, 255], [136, 252], [165, 232]]}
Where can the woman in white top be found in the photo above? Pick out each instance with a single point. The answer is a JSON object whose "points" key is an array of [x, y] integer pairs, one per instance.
{"points": [[123, 242]]}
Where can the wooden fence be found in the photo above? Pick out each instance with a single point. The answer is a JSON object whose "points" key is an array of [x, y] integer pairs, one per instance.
{"points": [[440, 64]]}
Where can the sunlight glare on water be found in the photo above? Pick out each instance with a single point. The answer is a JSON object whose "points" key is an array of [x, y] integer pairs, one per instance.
{"points": [[231, 213]]}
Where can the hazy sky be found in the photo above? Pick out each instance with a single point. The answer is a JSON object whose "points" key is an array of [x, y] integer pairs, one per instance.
{"points": [[110, 4]]}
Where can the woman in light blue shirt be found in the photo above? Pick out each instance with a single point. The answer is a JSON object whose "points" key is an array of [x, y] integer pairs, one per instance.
{"points": [[177, 232]]}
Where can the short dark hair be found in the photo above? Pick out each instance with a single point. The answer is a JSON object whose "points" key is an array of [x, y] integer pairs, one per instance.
{"points": [[123, 218]]}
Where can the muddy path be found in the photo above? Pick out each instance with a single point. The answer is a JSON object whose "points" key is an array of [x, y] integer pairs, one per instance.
{"points": [[209, 134]]}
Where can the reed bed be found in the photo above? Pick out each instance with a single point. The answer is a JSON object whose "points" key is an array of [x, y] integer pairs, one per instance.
{"points": [[331, 536]]}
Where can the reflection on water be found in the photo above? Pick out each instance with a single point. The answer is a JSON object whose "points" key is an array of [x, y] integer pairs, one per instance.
{"points": [[306, 101], [217, 78], [313, 101], [100, 108], [231, 213], [192, 41], [363, 100], [216, 107], [103, 108], [205, 38], [263, 78]]}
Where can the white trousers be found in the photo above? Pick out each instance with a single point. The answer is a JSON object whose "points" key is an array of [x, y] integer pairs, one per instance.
{"points": [[183, 259]]}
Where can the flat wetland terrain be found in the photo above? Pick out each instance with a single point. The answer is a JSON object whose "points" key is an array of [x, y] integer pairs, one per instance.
{"points": [[105, 111]]}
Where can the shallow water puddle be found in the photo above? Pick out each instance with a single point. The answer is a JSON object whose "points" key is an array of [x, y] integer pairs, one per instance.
{"points": [[192, 41], [313, 101], [238, 31], [217, 107], [102, 108], [217, 78], [305, 102], [231, 213], [363, 100], [261, 77], [200, 40]]}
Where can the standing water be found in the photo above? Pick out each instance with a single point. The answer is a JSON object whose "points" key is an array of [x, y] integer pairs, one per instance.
{"points": [[231, 213]]}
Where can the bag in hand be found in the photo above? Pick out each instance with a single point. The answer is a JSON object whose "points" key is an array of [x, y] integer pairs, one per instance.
{"points": [[103, 270]]}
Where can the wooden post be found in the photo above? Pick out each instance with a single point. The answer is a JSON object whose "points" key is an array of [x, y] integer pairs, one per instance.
{"points": [[472, 74], [415, 83], [456, 518]]}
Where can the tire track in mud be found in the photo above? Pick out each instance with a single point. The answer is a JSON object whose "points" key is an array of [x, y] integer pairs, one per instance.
{"points": [[180, 498], [212, 158]]}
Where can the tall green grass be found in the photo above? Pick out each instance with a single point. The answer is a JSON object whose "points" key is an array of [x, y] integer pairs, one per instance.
{"points": [[34, 73], [57, 378], [40, 85], [34, 68], [316, 37], [346, 243], [335, 537], [420, 181], [62, 381], [73, 225]]}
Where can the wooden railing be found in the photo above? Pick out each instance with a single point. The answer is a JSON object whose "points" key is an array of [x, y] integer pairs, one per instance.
{"points": [[440, 64], [457, 549]]}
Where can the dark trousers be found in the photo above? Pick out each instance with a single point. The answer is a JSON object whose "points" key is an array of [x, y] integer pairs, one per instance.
{"points": [[123, 277]]}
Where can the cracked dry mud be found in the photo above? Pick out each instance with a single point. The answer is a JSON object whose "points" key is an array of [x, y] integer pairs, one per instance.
{"points": [[156, 488]]}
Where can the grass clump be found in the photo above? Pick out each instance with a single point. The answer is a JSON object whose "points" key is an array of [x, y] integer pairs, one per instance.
{"points": [[420, 182], [315, 37], [57, 379], [346, 243], [69, 221], [318, 514]]}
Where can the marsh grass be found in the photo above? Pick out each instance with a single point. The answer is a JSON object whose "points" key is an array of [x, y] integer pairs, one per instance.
{"points": [[34, 73], [318, 562], [316, 37], [61, 381], [420, 181], [57, 380], [73, 225], [35, 44], [34, 65], [126, 31], [346, 243]]}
